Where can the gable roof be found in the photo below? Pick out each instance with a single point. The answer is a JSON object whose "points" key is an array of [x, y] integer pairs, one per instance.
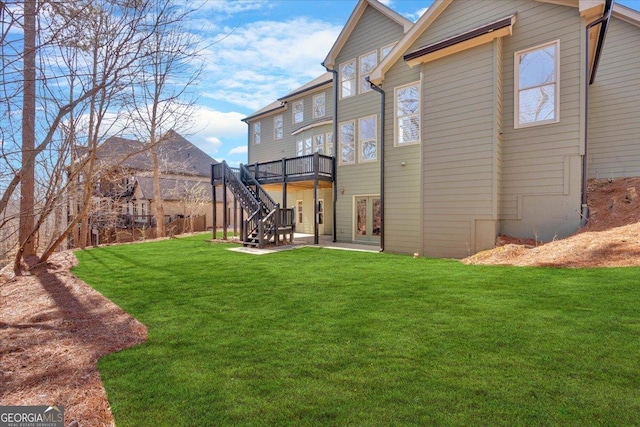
{"points": [[330, 60], [585, 6], [176, 155]]}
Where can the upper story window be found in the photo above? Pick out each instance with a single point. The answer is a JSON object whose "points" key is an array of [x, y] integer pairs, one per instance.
{"points": [[319, 106], [536, 85], [256, 133], [368, 135], [407, 114], [347, 143], [384, 51], [348, 79], [329, 143], [367, 63], [318, 144], [298, 111], [278, 127]]}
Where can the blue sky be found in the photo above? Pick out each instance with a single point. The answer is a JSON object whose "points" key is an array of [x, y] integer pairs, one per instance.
{"points": [[259, 51]]}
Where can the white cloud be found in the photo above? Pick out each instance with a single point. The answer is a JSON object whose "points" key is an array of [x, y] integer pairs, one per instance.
{"points": [[259, 62], [416, 15], [243, 149]]}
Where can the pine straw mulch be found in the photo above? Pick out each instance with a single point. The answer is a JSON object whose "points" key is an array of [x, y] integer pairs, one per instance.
{"points": [[610, 239], [53, 330]]}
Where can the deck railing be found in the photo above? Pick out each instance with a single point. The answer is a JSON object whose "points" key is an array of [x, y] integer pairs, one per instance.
{"points": [[307, 165]]}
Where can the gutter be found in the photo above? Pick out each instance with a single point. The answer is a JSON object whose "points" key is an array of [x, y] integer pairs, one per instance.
{"points": [[590, 78], [381, 152], [335, 148]]}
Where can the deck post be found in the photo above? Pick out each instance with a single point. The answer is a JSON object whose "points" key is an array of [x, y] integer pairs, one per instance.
{"points": [[235, 217], [215, 204], [225, 220], [316, 211], [284, 182], [276, 222]]}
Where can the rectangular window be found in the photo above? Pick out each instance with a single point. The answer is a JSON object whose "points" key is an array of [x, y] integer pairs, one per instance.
{"points": [[367, 133], [308, 148], [330, 144], [318, 106], [298, 111], [348, 79], [407, 113], [299, 204], [256, 133], [320, 212], [318, 144], [536, 85], [347, 143], [299, 148], [367, 63], [278, 127]]}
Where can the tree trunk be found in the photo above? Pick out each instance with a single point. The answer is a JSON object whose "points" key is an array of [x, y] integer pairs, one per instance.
{"points": [[27, 185]]}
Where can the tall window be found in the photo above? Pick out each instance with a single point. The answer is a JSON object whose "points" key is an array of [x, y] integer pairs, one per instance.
{"points": [[536, 85], [318, 106], [298, 111], [329, 143], [256, 133], [318, 144], [299, 203], [347, 143], [407, 106], [299, 148], [367, 63], [367, 132], [348, 79], [308, 148], [278, 127]]}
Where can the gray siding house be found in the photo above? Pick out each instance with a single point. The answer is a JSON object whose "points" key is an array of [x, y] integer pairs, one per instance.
{"points": [[482, 118]]}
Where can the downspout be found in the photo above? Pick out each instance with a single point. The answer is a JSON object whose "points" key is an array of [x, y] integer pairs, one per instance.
{"points": [[589, 79], [381, 151], [335, 148]]}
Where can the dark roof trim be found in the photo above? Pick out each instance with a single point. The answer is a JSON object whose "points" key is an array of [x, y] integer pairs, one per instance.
{"points": [[264, 113], [497, 25], [307, 89]]}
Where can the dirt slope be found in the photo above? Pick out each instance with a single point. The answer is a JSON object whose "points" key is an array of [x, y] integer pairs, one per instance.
{"points": [[611, 238]]}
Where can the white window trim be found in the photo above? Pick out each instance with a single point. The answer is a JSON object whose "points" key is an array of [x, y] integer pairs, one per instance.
{"points": [[293, 111], [355, 143], [516, 88], [275, 134], [355, 78], [314, 105], [257, 133], [361, 142], [361, 76], [390, 46], [299, 148], [396, 132], [327, 144]]}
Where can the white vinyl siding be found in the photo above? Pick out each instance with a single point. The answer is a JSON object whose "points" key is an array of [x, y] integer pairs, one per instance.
{"points": [[407, 114], [368, 136], [348, 79], [536, 79], [319, 105], [256, 133], [347, 143], [278, 129], [298, 111], [367, 63]]}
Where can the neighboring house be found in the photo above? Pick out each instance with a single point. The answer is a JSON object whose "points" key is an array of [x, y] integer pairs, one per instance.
{"points": [[125, 195], [487, 118]]}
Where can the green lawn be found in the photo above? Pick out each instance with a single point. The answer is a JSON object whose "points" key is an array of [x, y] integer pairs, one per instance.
{"points": [[315, 337]]}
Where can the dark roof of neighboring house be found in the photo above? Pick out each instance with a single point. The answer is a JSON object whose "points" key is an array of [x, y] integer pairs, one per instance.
{"points": [[176, 189], [175, 154]]}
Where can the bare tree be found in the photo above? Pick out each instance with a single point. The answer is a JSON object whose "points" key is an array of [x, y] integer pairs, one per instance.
{"points": [[162, 97]]}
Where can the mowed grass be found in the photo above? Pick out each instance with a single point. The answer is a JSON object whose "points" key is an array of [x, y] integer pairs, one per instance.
{"points": [[314, 337]]}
